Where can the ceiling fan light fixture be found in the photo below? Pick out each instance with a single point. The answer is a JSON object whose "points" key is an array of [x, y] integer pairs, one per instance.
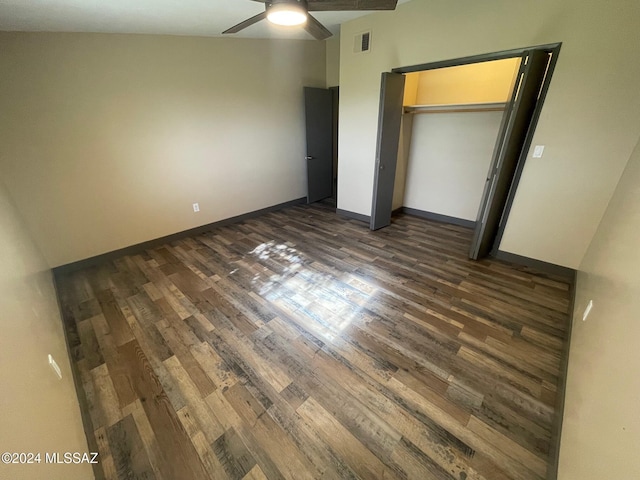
{"points": [[287, 13]]}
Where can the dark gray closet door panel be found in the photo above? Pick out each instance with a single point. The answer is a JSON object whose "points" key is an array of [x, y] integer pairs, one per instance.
{"points": [[389, 122]]}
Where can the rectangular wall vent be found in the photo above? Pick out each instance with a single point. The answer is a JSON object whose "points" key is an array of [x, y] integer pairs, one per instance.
{"points": [[362, 42]]}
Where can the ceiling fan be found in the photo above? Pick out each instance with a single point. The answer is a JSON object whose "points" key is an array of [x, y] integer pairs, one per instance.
{"points": [[296, 12]]}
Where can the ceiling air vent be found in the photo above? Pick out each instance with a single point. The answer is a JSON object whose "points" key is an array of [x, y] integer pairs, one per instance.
{"points": [[362, 42]]}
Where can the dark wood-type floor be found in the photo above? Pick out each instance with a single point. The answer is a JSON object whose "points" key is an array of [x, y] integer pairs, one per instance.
{"points": [[301, 345]]}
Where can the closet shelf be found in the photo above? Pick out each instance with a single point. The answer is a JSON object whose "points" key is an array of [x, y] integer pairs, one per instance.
{"points": [[457, 107]]}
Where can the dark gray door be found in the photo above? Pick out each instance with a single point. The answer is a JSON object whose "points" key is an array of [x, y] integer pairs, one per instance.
{"points": [[509, 150], [318, 103], [389, 122]]}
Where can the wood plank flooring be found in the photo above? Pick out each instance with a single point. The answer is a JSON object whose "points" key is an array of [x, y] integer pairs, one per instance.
{"points": [[301, 345]]}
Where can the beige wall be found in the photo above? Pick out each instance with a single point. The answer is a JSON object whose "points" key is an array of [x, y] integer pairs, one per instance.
{"points": [[40, 412], [589, 123], [107, 140], [601, 430], [332, 45]]}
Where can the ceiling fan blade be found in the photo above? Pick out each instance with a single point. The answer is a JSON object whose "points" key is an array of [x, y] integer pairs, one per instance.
{"points": [[347, 5], [315, 28], [247, 23]]}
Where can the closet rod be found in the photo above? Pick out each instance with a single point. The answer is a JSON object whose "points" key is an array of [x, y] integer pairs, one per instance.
{"points": [[457, 107]]}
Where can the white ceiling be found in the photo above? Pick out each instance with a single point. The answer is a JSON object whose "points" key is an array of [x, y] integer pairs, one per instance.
{"points": [[170, 17]]}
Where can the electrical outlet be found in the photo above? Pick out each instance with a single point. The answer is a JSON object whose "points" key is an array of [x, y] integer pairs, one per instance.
{"points": [[196, 207], [587, 310], [55, 367], [538, 150]]}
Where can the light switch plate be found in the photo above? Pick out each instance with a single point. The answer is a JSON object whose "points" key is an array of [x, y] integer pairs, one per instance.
{"points": [[538, 150]]}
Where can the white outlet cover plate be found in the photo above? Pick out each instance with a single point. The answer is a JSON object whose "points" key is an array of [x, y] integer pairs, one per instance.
{"points": [[538, 150], [196, 207]]}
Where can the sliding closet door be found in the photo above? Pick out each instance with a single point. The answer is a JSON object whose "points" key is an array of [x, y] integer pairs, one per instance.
{"points": [[509, 150], [389, 121]]}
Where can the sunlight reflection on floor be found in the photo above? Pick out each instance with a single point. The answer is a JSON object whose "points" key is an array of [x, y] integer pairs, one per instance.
{"points": [[302, 289]]}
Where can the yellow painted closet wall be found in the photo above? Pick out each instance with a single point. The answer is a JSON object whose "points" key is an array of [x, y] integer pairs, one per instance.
{"points": [[484, 82]]}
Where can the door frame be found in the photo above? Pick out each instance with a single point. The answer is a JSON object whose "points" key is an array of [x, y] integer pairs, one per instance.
{"points": [[554, 50]]}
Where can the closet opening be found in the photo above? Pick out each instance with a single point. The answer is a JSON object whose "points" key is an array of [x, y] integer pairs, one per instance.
{"points": [[453, 137]]}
